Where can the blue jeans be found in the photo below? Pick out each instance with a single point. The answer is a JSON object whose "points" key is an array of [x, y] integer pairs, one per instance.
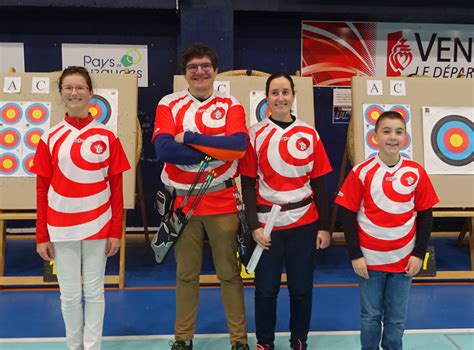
{"points": [[294, 248], [383, 299]]}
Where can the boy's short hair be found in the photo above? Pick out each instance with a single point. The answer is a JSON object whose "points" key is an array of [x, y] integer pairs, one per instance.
{"points": [[390, 115], [198, 50]]}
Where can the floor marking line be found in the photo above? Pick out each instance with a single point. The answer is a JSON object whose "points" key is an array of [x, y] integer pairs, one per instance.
{"points": [[445, 332]]}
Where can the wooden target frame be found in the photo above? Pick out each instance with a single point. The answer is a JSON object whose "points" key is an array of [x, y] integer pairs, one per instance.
{"points": [[126, 85], [454, 190]]}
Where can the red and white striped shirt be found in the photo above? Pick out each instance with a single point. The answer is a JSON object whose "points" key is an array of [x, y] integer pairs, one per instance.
{"points": [[216, 116], [79, 163], [284, 161], [386, 200]]}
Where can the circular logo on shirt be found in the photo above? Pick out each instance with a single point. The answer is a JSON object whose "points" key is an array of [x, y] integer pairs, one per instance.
{"points": [[409, 179], [218, 113], [98, 147], [302, 144]]}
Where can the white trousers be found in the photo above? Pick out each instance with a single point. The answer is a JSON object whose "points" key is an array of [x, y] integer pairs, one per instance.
{"points": [[83, 328]]}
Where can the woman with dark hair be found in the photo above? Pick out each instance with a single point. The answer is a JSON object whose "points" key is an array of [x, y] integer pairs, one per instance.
{"points": [[284, 165], [79, 164]]}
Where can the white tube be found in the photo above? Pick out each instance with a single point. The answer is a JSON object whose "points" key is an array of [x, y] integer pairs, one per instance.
{"points": [[257, 253]]}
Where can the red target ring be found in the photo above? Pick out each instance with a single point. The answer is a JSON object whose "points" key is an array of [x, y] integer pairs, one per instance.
{"points": [[100, 109], [9, 163], [456, 140], [263, 111], [37, 113], [11, 113], [403, 111], [32, 137], [372, 113], [370, 140], [28, 163], [9, 138]]}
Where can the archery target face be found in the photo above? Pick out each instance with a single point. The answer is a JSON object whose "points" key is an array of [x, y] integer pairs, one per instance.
{"points": [[9, 138], [103, 107], [262, 111], [371, 113], [32, 137], [27, 163], [37, 113], [448, 136], [259, 109], [11, 113], [9, 164], [21, 127]]}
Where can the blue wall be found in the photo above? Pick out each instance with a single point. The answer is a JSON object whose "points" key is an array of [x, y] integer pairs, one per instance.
{"points": [[265, 36], [45, 29]]}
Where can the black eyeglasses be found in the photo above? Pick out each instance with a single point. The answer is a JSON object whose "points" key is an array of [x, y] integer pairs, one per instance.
{"points": [[192, 68]]}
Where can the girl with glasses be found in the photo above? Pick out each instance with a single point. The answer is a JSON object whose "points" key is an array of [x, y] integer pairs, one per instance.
{"points": [[79, 164]]}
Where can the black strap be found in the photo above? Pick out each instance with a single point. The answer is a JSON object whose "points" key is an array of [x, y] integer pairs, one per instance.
{"points": [[289, 206], [222, 186]]}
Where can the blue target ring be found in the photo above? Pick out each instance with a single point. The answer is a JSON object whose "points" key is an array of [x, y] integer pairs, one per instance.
{"points": [[403, 111], [37, 113], [11, 113], [100, 109], [440, 140], [262, 112], [407, 142], [372, 155], [9, 163], [27, 163], [405, 155], [9, 138], [369, 140], [32, 137], [372, 113]]}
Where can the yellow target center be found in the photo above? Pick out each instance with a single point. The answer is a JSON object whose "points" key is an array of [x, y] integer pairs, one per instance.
{"points": [[374, 141], [11, 114], [9, 139], [35, 138], [30, 164], [375, 115], [455, 140], [37, 114], [93, 111], [7, 164]]}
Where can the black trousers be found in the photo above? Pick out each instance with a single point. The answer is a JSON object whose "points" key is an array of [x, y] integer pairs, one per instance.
{"points": [[295, 249]]}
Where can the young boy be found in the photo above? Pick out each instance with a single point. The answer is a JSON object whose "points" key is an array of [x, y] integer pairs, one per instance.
{"points": [[387, 205]]}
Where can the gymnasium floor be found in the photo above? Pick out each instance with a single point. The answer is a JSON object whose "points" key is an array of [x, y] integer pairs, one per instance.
{"points": [[441, 315]]}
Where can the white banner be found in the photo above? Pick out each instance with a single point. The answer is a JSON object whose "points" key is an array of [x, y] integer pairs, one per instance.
{"points": [[12, 55], [435, 50], [108, 59]]}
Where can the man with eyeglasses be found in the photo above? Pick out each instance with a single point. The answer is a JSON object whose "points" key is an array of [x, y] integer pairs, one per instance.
{"points": [[190, 125]]}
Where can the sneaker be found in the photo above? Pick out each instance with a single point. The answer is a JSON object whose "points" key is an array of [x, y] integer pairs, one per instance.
{"points": [[298, 346], [265, 347], [181, 345], [239, 346]]}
